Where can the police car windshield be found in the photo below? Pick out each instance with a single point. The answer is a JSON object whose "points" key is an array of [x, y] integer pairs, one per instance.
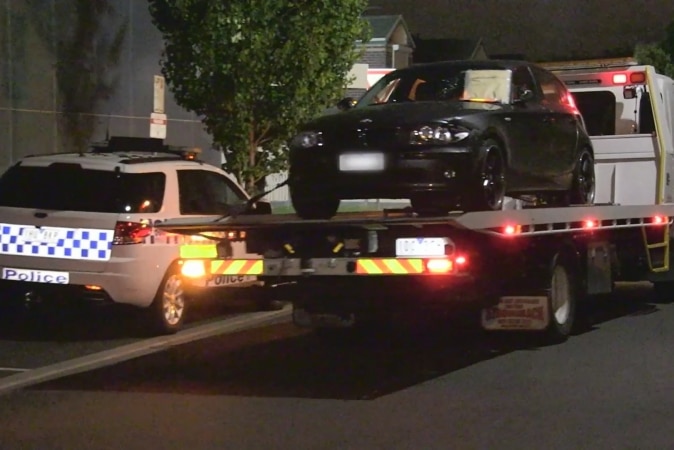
{"points": [[72, 188]]}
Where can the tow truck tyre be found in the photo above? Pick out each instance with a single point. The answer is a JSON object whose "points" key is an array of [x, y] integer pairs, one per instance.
{"points": [[562, 298], [490, 187], [316, 204], [166, 314]]}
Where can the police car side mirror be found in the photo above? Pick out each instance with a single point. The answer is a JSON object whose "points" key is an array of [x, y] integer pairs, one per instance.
{"points": [[524, 96], [260, 207]]}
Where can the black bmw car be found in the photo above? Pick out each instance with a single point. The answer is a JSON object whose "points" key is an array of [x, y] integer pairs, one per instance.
{"points": [[458, 135]]}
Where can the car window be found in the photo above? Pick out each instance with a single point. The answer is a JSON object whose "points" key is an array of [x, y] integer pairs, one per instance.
{"points": [[462, 82], [554, 91], [522, 80], [69, 187], [206, 192]]}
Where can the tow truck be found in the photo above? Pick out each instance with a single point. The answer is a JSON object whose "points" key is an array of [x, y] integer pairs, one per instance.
{"points": [[523, 268]]}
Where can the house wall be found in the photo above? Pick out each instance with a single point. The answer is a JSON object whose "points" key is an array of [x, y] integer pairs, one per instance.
{"points": [[30, 107]]}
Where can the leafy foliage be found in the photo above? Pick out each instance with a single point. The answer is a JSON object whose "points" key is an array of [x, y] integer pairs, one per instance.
{"points": [[253, 70], [86, 47], [660, 55]]}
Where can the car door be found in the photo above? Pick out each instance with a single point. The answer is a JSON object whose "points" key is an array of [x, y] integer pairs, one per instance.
{"points": [[525, 131], [562, 127]]}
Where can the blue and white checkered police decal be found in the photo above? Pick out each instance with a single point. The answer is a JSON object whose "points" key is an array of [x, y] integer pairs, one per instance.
{"points": [[56, 242]]}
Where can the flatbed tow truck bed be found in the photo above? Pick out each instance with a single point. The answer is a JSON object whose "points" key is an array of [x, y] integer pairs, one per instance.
{"points": [[521, 269]]}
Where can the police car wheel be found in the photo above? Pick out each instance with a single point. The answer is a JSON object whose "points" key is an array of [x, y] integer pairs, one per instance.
{"points": [[167, 312]]}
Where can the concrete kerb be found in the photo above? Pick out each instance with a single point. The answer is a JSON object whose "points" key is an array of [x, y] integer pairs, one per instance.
{"points": [[138, 349]]}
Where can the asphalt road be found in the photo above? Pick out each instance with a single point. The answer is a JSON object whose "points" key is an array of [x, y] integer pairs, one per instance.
{"points": [[429, 386]]}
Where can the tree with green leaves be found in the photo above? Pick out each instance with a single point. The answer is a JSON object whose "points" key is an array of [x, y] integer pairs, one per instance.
{"points": [[659, 55], [253, 70], [86, 44]]}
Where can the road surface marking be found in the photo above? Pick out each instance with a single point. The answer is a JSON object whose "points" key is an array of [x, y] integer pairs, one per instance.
{"points": [[138, 349], [12, 369]]}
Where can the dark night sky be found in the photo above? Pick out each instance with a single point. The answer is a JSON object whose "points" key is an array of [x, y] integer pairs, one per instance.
{"points": [[539, 29]]}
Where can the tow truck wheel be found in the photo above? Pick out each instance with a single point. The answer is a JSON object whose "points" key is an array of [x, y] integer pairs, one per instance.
{"points": [[167, 311], [562, 299]]}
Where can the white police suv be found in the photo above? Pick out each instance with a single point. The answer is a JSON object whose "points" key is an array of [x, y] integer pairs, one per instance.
{"points": [[80, 225]]}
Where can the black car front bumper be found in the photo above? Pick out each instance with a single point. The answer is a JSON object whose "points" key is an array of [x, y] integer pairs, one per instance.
{"points": [[405, 173]]}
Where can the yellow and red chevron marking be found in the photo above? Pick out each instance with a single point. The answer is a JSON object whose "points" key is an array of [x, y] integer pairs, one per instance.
{"points": [[237, 267], [389, 266]]}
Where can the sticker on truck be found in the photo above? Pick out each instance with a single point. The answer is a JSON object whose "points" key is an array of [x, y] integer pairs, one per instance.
{"points": [[517, 313]]}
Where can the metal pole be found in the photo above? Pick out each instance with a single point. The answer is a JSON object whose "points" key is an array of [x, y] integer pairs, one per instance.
{"points": [[10, 93]]}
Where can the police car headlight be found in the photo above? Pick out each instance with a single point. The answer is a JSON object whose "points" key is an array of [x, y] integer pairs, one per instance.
{"points": [[193, 268], [307, 139]]}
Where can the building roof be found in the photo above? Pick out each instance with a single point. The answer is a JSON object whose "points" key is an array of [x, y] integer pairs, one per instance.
{"points": [[431, 50], [384, 26]]}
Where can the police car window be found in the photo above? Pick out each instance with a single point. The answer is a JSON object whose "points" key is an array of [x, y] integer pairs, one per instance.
{"points": [[68, 187], [206, 192]]}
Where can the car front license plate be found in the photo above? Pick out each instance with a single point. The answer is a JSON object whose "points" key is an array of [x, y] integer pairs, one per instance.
{"points": [[361, 162], [40, 235], [421, 246], [35, 276]]}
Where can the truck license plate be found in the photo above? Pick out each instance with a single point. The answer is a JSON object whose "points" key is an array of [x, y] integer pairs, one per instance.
{"points": [[421, 246], [517, 313]]}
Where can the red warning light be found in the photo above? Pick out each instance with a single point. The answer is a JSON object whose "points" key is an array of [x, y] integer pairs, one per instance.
{"points": [[460, 260], [590, 223], [512, 229], [658, 220], [637, 77]]}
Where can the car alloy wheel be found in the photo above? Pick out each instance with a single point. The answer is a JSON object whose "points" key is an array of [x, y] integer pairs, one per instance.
{"points": [[173, 300], [584, 180], [490, 193], [166, 314]]}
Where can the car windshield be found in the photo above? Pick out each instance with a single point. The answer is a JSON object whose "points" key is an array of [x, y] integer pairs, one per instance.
{"points": [[68, 187], [440, 84]]}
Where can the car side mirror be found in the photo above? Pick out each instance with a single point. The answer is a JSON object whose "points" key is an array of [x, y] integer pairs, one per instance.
{"points": [[346, 103], [260, 207]]}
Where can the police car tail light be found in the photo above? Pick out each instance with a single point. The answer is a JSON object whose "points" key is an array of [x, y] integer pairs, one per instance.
{"points": [[131, 233]]}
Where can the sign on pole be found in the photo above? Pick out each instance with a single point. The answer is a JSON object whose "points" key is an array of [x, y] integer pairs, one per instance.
{"points": [[159, 93], [158, 119], [158, 126]]}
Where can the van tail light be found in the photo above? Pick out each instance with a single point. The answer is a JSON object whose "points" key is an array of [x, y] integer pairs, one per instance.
{"points": [[131, 233]]}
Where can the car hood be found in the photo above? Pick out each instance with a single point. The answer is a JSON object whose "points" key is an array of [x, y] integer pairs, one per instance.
{"points": [[400, 114]]}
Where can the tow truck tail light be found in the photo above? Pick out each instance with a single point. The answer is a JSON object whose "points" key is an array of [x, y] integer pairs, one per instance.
{"points": [[658, 220], [131, 233], [461, 260], [511, 230], [443, 265], [590, 223], [638, 77], [193, 268]]}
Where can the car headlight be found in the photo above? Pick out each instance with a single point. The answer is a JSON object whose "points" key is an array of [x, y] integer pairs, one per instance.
{"points": [[307, 139], [437, 134]]}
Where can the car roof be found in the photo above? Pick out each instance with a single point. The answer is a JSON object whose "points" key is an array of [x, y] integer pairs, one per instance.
{"points": [[108, 159], [471, 64]]}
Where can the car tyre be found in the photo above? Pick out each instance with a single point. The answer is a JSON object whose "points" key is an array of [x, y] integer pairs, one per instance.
{"points": [[488, 191], [313, 205], [166, 314], [583, 185]]}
